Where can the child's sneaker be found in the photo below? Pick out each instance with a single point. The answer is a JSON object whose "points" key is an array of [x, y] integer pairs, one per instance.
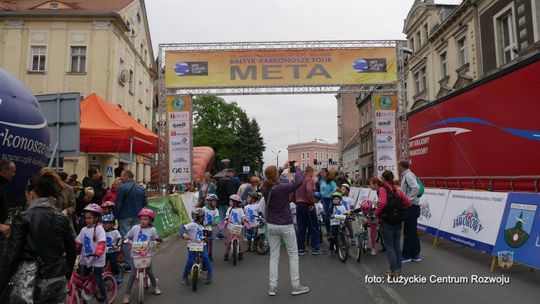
{"points": [[157, 291], [208, 280], [126, 299], [185, 281], [373, 251], [118, 278]]}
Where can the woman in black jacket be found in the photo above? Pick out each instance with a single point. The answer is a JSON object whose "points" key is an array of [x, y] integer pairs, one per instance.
{"points": [[42, 233]]}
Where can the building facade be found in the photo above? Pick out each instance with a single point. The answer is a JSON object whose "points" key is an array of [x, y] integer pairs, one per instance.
{"points": [[315, 154], [348, 120], [365, 138], [86, 46], [351, 152], [451, 46]]}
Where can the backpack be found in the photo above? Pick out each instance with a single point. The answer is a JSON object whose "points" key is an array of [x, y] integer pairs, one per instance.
{"points": [[392, 212], [422, 189]]}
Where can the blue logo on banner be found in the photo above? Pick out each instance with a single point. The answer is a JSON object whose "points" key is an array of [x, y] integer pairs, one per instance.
{"points": [[519, 233]]}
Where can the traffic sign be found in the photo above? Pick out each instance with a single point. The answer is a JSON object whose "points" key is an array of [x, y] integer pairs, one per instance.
{"points": [[246, 169], [109, 171]]}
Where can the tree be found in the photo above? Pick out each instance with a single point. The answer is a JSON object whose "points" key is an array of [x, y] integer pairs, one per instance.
{"points": [[227, 129]]}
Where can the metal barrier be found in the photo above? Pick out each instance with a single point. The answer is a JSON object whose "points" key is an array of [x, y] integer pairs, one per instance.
{"points": [[490, 183]]}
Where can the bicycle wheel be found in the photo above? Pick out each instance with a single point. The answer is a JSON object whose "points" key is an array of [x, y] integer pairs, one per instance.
{"points": [[262, 245], [234, 251], [194, 276], [110, 286], [359, 246], [343, 247], [140, 290]]}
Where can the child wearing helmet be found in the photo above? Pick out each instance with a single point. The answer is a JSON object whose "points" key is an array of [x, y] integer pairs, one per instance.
{"points": [[336, 209], [348, 203], [143, 232], [113, 241], [366, 207], [108, 207], [234, 215], [92, 239], [211, 218], [252, 210], [194, 231]]}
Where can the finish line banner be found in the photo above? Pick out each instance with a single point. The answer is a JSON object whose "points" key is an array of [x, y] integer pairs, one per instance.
{"points": [[259, 68]]}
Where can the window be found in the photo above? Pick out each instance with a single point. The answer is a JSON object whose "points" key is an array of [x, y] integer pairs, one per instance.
{"points": [[418, 40], [506, 38], [411, 44], [426, 32], [423, 76], [303, 155], [141, 91], [307, 155], [444, 64], [462, 51], [141, 49], [38, 57], [54, 5], [316, 155], [138, 18], [416, 83], [131, 81], [78, 59]]}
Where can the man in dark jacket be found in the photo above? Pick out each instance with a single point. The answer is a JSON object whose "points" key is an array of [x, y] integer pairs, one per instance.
{"points": [[225, 189], [94, 180], [130, 199], [7, 172]]}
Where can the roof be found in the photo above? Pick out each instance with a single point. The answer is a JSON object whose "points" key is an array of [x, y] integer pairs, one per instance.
{"points": [[103, 6], [106, 128]]}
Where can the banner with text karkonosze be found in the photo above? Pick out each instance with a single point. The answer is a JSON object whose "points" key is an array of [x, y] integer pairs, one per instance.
{"points": [[253, 68], [519, 235], [432, 206], [473, 218], [180, 139]]}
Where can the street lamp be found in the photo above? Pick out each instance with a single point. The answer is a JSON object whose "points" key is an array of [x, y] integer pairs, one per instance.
{"points": [[277, 158]]}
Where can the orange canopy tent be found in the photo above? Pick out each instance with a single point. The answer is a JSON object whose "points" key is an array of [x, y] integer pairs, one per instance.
{"points": [[106, 128]]}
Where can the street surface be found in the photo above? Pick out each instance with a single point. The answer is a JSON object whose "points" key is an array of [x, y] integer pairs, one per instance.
{"points": [[332, 281]]}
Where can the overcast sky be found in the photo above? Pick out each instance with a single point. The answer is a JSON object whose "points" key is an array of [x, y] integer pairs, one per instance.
{"points": [[284, 119]]}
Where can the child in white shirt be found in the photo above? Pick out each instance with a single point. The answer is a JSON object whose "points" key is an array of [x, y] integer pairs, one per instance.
{"points": [[144, 232], [113, 240], [235, 216], [211, 218], [92, 239], [194, 231], [252, 211], [337, 210]]}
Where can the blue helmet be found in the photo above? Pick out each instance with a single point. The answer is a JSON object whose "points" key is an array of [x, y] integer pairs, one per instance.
{"points": [[108, 218]]}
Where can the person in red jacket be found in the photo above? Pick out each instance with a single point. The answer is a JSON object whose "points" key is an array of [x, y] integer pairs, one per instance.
{"points": [[390, 228], [111, 193]]}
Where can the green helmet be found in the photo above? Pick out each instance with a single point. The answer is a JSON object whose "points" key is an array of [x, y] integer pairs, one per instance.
{"points": [[337, 194]]}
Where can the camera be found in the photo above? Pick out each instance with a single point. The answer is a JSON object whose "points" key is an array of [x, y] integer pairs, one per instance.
{"points": [[292, 169]]}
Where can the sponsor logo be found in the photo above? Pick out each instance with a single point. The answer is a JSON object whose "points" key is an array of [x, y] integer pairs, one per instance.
{"points": [[386, 167], [179, 115], [425, 212], [373, 65], [385, 147], [468, 220], [178, 104], [385, 102], [179, 133], [183, 141], [387, 123], [385, 158], [178, 125], [519, 224], [182, 170], [180, 160], [385, 114], [199, 68], [505, 259], [384, 132], [180, 149]]}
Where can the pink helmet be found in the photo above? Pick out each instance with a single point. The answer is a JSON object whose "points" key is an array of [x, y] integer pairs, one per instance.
{"points": [[147, 212], [107, 204], [235, 198], [366, 206], [94, 208]]}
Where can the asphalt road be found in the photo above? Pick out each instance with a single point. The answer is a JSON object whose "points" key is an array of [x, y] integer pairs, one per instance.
{"points": [[332, 281]]}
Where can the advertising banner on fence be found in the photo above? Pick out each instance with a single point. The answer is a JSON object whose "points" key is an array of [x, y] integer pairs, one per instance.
{"points": [[180, 139], [252, 68], [432, 206], [519, 233], [166, 222], [179, 209], [473, 218], [385, 133]]}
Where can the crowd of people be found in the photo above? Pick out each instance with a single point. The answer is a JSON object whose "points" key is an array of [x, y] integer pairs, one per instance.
{"points": [[62, 217]]}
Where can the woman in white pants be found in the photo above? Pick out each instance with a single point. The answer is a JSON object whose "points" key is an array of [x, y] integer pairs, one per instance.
{"points": [[280, 227]]}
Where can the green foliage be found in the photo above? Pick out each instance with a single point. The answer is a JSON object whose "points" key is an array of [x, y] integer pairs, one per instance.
{"points": [[226, 128]]}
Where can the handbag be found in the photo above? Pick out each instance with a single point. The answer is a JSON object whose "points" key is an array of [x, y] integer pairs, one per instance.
{"points": [[23, 283]]}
